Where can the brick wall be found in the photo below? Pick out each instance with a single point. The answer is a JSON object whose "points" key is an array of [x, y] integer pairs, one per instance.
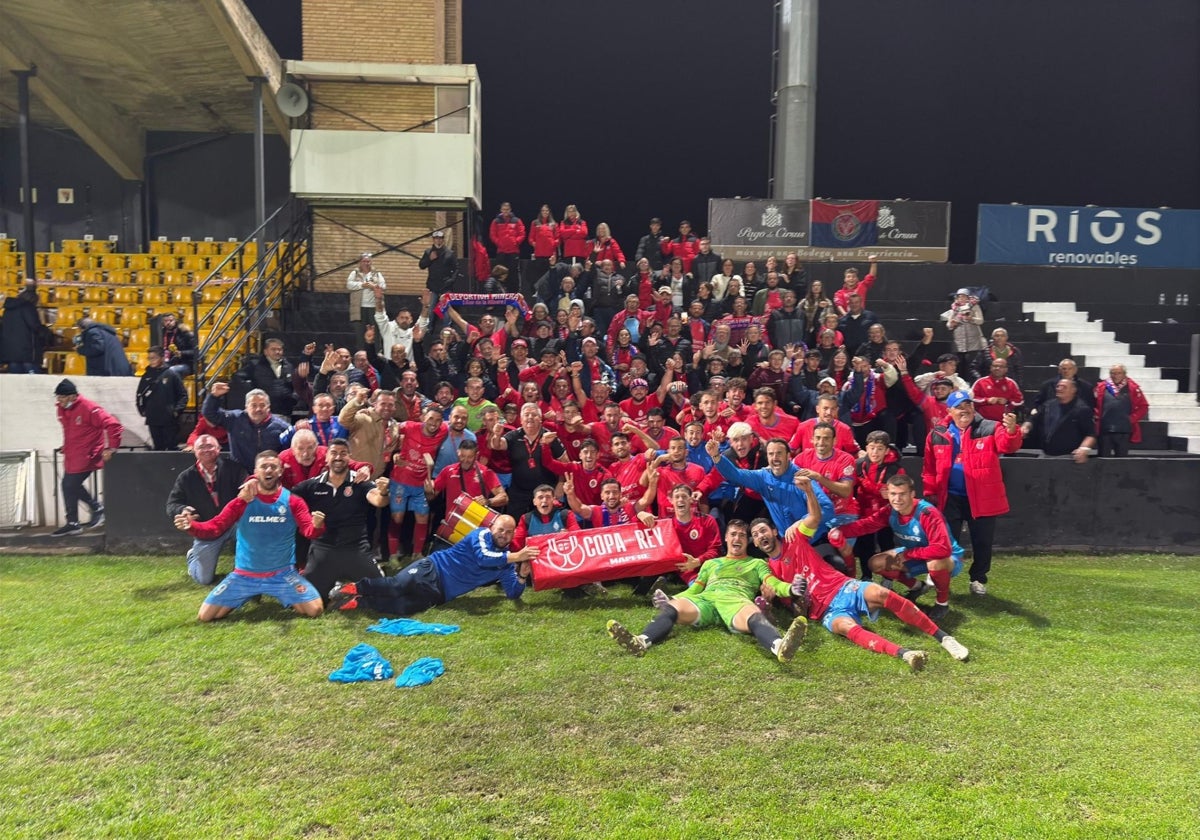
{"points": [[389, 31], [390, 107], [341, 234]]}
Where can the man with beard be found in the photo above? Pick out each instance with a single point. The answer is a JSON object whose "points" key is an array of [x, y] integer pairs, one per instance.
{"points": [[827, 412], [775, 483], [610, 510], [721, 595], [401, 330], [267, 517], [322, 424], [674, 469], [342, 551], [481, 558]]}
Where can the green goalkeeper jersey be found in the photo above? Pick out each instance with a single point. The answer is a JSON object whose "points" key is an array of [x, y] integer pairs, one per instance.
{"points": [[724, 576]]}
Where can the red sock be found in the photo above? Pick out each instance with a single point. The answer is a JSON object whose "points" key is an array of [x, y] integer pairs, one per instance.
{"points": [[421, 530], [907, 611], [941, 582], [900, 576], [848, 558], [867, 640]]}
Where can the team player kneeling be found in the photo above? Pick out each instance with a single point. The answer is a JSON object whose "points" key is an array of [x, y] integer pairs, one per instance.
{"points": [[818, 592]]}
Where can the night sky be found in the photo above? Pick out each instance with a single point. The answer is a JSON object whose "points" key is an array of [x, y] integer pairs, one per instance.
{"points": [[635, 109]]}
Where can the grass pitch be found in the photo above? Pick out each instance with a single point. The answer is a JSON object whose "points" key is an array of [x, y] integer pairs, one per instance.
{"points": [[120, 716]]}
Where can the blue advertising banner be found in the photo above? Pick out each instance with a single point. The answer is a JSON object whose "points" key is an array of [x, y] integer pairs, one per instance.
{"points": [[1088, 236]]}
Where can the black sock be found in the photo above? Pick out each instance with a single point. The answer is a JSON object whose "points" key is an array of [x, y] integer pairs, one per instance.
{"points": [[660, 626], [940, 634], [763, 630]]}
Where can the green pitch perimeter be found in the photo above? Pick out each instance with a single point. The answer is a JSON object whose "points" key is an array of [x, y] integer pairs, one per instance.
{"points": [[1078, 715]]}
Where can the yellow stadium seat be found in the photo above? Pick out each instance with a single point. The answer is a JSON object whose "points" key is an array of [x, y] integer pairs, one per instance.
{"points": [[181, 247], [125, 294], [120, 276], [95, 294], [138, 338], [74, 246], [140, 262], [207, 248], [149, 278], [157, 247], [7, 245], [74, 365], [195, 262], [58, 261], [110, 261], [89, 275], [9, 260], [177, 278]]}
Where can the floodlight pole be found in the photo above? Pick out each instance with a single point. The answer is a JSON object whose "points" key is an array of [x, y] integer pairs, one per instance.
{"points": [[26, 174], [796, 99], [260, 187]]}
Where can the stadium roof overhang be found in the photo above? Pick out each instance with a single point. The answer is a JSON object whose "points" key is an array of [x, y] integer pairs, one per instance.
{"points": [[111, 70]]}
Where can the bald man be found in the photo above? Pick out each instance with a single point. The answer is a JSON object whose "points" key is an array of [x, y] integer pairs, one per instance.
{"points": [[481, 558]]}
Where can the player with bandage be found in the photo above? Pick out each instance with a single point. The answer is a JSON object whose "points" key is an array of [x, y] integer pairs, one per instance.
{"points": [[722, 594], [838, 601], [923, 544]]}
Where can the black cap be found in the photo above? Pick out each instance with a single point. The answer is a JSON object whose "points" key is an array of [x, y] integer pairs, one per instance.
{"points": [[66, 388]]}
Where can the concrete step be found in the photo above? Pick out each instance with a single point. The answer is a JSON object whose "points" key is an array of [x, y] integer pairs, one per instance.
{"points": [[1050, 306], [1063, 321], [1188, 429], [1162, 386], [1193, 444], [1097, 355], [1174, 400], [1173, 415], [1073, 336]]}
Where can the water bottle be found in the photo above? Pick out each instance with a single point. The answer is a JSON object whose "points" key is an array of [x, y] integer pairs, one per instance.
{"points": [[1162, 298]]}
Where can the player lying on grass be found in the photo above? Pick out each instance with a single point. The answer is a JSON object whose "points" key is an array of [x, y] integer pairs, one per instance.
{"points": [[480, 558], [722, 594], [837, 600], [267, 516]]}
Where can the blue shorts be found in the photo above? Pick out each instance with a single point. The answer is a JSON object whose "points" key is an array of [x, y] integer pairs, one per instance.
{"points": [[916, 568], [840, 519], [402, 497], [286, 585], [851, 603]]}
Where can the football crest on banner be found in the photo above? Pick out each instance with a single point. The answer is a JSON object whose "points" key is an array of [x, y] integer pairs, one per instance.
{"points": [[564, 554], [886, 220], [772, 217], [845, 227]]}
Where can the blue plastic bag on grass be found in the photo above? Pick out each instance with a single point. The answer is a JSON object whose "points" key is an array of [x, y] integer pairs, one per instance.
{"points": [[410, 627], [422, 672], [363, 663]]}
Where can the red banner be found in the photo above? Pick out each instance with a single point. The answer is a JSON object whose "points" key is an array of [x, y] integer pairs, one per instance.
{"points": [[574, 558]]}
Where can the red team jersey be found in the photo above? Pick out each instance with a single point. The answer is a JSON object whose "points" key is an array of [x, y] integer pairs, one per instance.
{"points": [[412, 469], [837, 467], [699, 537], [637, 411], [824, 581], [784, 426]]}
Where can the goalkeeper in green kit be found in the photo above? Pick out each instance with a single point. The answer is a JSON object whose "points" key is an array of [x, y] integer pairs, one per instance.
{"points": [[723, 593]]}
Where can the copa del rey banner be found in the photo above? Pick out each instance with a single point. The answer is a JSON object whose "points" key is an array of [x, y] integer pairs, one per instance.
{"points": [[573, 558]]}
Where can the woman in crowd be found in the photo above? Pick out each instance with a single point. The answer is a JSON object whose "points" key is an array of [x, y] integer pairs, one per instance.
{"points": [[815, 305], [604, 247], [543, 238], [573, 236], [720, 282]]}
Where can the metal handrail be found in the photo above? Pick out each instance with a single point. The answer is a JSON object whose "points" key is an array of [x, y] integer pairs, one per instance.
{"points": [[234, 319]]}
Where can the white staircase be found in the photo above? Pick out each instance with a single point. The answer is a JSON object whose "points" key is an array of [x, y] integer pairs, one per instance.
{"points": [[1093, 347]]}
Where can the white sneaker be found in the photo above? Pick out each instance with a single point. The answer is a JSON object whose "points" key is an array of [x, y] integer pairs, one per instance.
{"points": [[660, 599], [978, 588], [915, 659], [955, 648]]}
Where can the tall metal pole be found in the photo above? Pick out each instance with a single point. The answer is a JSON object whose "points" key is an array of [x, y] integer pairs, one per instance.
{"points": [[796, 105], [260, 192], [26, 171]]}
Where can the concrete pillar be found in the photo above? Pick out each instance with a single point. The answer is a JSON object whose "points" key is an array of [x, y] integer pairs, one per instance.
{"points": [[796, 99]]}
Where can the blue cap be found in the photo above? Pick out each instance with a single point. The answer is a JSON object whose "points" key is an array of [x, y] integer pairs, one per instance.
{"points": [[957, 397]]}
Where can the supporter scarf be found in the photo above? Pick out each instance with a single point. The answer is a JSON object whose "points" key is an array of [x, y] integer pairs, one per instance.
{"points": [[738, 326], [1113, 388], [459, 300]]}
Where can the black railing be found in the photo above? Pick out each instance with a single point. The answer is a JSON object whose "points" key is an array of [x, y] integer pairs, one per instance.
{"points": [[228, 315]]}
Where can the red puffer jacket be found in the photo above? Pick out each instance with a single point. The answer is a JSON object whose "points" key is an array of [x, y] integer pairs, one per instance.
{"points": [[685, 249], [507, 234], [606, 250], [543, 237], [573, 236], [87, 431], [870, 481], [983, 442]]}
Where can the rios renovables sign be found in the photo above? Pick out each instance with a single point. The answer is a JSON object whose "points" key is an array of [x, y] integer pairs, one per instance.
{"points": [[1098, 237]]}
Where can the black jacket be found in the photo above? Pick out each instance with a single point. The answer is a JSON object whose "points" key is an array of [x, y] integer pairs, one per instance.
{"points": [[191, 491], [161, 396], [442, 270], [23, 336]]}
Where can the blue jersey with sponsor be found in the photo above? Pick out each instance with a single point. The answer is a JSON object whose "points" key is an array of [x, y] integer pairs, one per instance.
{"points": [[912, 534], [266, 535], [472, 562]]}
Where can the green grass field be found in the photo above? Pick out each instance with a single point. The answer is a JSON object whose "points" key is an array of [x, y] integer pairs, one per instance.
{"points": [[1078, 715]]}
